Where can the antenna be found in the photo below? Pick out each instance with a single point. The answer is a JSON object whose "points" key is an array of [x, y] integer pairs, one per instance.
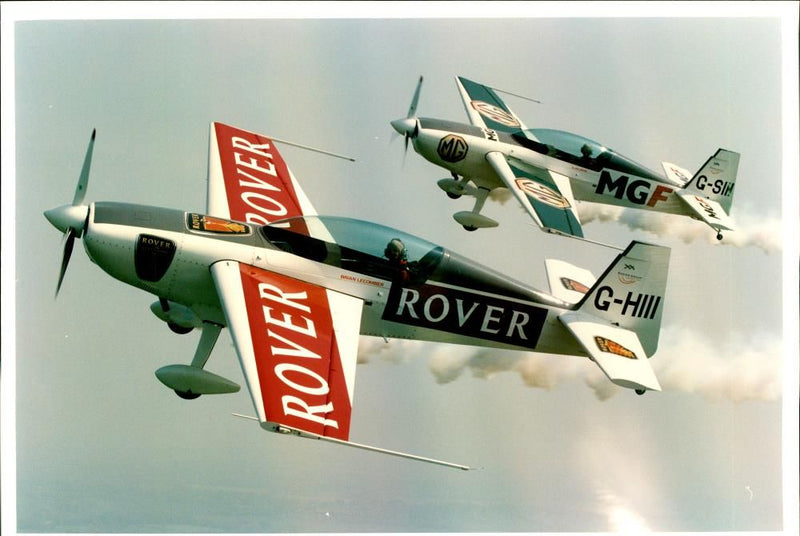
{"points": [[516, 95], [313, 149]]}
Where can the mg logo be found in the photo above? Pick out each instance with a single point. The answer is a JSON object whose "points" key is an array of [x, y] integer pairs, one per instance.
{"points": [[452, 148]]}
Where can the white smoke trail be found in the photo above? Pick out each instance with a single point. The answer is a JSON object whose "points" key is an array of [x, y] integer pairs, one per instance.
{"points": [[735, 369], [500, 195], [686, 362], [763, 232]]}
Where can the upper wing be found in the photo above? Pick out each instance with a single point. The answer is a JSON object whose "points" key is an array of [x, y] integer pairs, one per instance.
{"points": [[546, 196], [248, 180], [485, 109], [297, 344]]}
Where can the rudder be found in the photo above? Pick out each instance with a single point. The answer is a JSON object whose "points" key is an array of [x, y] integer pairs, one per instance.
{"points": [[630, 294], [716, 179]]}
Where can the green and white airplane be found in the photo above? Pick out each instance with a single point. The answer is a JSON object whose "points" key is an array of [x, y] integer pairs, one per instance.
{"points": [[549, 170]]}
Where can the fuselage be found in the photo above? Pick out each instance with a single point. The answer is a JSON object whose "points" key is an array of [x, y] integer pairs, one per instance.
{"points": [[436, 295], [596, 173]]}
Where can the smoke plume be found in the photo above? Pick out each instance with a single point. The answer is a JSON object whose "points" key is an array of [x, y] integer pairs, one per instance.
{"points": [[764, 232], [731, 370]]}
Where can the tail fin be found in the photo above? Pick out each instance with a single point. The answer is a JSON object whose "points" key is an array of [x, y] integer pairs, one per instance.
{"points": [[630, 294], [716, 179]]}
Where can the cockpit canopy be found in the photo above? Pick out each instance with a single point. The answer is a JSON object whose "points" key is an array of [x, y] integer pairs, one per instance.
{"points": [[581, 151], [354, 245], [370, 249]]}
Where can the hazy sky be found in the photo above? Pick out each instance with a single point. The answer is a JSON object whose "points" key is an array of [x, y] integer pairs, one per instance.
{"points": [[102, 446]]}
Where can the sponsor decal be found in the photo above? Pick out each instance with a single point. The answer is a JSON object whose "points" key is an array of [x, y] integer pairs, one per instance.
{"points": [[299, 368], [465, 313], [153, 256], [452, 148], [209, 224], [679, 174], [636, 305], [571, 284], [257, 181], [490, 134], [707, 208], [498, 115], [636, 191], [543, 193], [611, 347], [626, 275]]}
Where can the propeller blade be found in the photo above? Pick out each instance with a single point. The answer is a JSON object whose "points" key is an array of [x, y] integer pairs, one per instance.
{"points": [[69, 242], [412, 110], [83, 181]]}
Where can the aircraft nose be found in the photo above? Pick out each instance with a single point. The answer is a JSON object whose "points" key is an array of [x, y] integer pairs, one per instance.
{"points": [[68, 216], [406, 126]]}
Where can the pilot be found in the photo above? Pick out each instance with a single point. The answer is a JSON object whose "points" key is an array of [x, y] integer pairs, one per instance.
{"points": [[396, 251], [398, 256]]}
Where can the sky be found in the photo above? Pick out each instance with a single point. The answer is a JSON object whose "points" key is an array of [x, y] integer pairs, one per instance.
{"points": [[92, 442]]}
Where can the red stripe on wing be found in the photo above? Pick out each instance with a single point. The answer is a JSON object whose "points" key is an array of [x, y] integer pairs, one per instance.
{"points": [[258, 184], [299, 367]]}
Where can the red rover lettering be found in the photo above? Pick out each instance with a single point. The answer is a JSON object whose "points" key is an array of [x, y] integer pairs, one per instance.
{"points": [[258, 184], [292, 333], [256, 171]]}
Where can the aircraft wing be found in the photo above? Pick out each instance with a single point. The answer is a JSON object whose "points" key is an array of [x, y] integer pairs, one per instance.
{"points": [[248, 179], [617, 351], [546, 196], [486, 109], [297, 344]]}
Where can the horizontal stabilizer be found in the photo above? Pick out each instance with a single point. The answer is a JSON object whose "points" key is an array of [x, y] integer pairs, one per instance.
{"points": [[568, 282], [676, 174], [708, 210], [294, 431], [617, 351]]}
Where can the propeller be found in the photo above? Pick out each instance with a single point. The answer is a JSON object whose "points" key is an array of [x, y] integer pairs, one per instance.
{"points": [[409, 126], [71, 219]]}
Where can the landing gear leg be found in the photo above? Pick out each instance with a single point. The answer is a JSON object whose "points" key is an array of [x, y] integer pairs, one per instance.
{"points": [[473, 219], [208, 338]]}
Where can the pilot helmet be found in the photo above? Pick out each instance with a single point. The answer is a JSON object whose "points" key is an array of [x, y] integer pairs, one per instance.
{"points": [[395, 250]]}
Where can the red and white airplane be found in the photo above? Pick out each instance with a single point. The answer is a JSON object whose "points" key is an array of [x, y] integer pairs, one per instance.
{"points": [[296, 289], [549, 170]]}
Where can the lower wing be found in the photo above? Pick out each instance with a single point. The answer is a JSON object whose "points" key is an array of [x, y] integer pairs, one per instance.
{"points": [[546, 196], [297, 344]]}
